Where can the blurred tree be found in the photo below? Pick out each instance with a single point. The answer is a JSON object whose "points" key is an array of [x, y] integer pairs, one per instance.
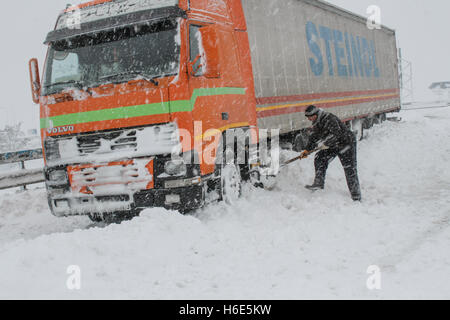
{"points": [[442, 90], [12, 138]]}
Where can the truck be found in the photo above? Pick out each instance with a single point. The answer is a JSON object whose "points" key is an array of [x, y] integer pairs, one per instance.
{"points": [[174, 103]]}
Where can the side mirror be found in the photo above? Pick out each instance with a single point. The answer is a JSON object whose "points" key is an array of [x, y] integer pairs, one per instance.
{"points": [[211, 51], [35, 80]]}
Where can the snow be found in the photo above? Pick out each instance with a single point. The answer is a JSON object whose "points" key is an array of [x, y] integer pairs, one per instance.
{"points": [[178, 42], [109, 9], [282, 244], [203, 61], [164, 138]]}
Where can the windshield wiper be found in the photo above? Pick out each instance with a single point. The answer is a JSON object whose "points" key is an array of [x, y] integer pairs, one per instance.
{"points": [[130, 73], [76, 83]]}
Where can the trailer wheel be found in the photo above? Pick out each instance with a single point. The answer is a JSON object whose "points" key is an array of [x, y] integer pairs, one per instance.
{"points": [[377, 119], [358, 129], [381, 118], [367, 123]]}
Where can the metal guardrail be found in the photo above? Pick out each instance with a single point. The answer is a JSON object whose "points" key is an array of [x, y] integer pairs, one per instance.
{"points": [[19, 156], [22, 177]]}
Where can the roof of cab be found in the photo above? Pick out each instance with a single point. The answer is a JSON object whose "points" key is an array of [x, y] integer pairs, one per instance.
{"points": [[86, 4]]}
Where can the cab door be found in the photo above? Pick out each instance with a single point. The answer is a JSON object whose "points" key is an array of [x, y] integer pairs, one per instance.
{"points": [[215, 82], [203, 86]]}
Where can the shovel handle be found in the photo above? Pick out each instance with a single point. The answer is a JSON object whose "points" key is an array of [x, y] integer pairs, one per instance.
{"points": [[297, 158], [304, 156]]}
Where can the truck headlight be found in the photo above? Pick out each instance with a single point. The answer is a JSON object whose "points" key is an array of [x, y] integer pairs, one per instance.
{"points": [[62, 204], [59, 176], [175, 168], [51, 148]]}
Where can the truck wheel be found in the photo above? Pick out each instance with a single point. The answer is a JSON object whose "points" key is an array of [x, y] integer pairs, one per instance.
{"points": [[377, 119], [368, 123], [113, 218], [96, 218], [381, 118], [358, 129], [230, 182]]}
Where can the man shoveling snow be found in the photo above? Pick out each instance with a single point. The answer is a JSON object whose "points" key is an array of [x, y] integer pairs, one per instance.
{"points": [[340, 141]]}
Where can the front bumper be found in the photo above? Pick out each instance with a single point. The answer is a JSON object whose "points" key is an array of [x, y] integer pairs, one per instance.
{"points": [[123, 187], [180, 199]]}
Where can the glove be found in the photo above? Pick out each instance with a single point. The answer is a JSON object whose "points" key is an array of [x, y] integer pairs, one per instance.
{"points": [[323, 147]]}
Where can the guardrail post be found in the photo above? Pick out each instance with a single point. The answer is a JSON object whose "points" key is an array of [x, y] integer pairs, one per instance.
{"points": [[22, 166]]}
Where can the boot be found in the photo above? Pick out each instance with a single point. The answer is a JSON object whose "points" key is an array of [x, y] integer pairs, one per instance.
{"points": [[315, 187]]}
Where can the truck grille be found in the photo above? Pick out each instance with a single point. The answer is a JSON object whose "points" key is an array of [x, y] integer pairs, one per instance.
{"points": [[104, 147], [111, 141]]}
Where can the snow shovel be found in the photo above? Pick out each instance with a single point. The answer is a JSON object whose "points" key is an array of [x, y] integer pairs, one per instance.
{"points": [[322, 147], [268, 180]]}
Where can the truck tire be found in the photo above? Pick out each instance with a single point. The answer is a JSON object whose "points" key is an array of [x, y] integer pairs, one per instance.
{"points": [[381, 118], [368, 123], [113, 218], [358, 128], [230, 180], [377, 119], [95, 218]]}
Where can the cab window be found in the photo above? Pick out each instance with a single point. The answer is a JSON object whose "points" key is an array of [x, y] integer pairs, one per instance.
{"points": [[196, 49]]}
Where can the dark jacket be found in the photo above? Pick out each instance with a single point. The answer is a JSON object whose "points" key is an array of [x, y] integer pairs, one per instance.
{"points": [[331, 131]]}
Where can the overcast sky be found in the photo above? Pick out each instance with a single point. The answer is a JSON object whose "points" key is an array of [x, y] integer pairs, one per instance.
{"points": [[422, 31]]}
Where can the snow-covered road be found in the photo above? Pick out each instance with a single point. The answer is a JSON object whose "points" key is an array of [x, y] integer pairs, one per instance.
{"points": [[282, 244]]}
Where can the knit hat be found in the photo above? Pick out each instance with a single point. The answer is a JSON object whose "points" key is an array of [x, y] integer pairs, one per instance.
{"points": [[311, 111]]}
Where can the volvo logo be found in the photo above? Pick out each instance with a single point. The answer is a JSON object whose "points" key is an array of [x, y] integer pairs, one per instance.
{"points": [[63, 129]]}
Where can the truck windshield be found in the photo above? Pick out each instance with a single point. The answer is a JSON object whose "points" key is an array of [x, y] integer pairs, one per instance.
{"points": [[144, 51]]}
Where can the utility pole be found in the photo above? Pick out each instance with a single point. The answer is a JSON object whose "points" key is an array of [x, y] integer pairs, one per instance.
{"points": [[406, 79]]}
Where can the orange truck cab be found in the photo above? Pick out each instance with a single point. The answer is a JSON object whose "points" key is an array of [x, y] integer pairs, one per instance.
{"points": [[135, 99]]}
